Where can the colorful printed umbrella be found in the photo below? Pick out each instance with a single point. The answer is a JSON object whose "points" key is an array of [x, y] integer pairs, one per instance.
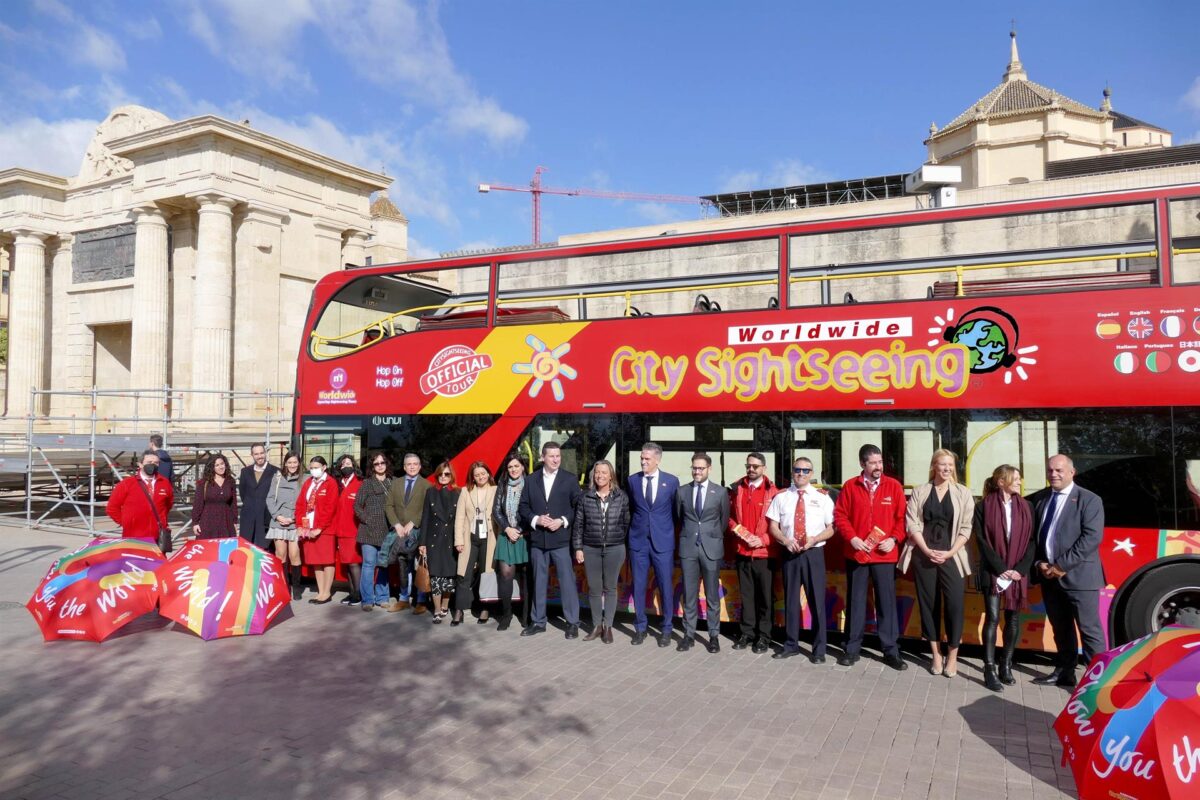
{"points": [[97, 589], [222, 587], [1131, 729]]}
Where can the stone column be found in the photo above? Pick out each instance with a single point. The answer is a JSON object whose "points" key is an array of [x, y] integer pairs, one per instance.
{"points": [[151, 306], [27, 322], [354, 249], [61, 337], [258, 260], [212, 309]]}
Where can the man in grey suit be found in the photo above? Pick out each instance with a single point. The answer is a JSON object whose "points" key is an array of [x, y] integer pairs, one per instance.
{"points": [[703, 510], [1070, 525]]}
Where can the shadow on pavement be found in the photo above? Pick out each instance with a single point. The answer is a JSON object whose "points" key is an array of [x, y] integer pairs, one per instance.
{"points": [[1007, 726], [320, 707], [15, 559]]}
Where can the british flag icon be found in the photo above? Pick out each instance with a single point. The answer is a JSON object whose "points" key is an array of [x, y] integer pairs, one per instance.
{"points": [[1140, 327]]}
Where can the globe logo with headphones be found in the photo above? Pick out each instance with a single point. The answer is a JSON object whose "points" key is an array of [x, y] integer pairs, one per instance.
{"points": [[991, 335]]}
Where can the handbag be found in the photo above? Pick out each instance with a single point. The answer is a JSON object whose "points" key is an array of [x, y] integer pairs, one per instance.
{"points": [[165, 541], [421, 576], [488, 588]]}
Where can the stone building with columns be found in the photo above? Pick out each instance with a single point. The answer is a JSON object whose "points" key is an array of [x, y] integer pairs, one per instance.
{"points": [[183, 254]]}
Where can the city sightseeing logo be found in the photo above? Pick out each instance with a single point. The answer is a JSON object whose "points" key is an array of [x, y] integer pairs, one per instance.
{"points": [[991, 337], [545, 367], [337, 394], [454, 370]]}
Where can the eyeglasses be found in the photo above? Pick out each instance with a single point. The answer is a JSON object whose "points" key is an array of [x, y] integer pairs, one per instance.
{"points": [[447, 474], [754, 466], [699, 469], [379, 463], [802, 470]]}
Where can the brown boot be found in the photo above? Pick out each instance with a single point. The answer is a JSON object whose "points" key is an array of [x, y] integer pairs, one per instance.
{"points": [[597, 632], [607, 635], [419, 609]]}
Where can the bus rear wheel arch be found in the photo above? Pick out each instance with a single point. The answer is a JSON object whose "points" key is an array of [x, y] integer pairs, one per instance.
{"points": [[1164, 595]]}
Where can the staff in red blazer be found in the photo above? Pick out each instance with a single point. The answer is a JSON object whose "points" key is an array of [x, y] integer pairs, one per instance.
{"points": [[869, 501], [128, 506], [315, 509], [345, 526], [749, 499]]}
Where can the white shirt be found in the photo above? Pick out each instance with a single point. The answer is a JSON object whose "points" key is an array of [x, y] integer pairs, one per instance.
{"points": [[1007, 517], [756, 484], [548, 482], [312, 488], [702, 490], [818, 511], [1059, 504]]}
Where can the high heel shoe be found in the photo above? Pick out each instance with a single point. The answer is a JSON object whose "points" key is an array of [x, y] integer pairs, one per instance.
{"points": [[484, 620], [456, 620]]}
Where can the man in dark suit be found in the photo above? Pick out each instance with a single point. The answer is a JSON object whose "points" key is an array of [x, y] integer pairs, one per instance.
{"points": [[254, 484], [1070, 525], [546, 508], [652, 539], [703, 511]]}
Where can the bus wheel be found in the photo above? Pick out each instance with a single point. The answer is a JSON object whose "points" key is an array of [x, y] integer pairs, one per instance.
{"points": [[1169, 595]]}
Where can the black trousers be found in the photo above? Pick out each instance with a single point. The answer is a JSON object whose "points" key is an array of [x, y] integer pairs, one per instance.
{"points": [[756, 585], [804, 570], [991, 621], [467, 590], [1066, 609], [940, 597], [883, 577]]}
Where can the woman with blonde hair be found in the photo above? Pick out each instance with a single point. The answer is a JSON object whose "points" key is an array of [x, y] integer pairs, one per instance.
{"points": [[598, 539], [1004, 528], [474, 539], [938, 521]]}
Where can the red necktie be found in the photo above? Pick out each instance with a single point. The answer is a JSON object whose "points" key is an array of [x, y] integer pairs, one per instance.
{"points": [[799, 523]]}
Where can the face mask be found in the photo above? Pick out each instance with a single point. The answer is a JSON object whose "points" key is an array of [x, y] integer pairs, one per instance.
{"points": [[316, 472], [347, 471], [150, 469]]}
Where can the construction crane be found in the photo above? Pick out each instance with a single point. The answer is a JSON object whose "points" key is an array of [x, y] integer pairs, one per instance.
{"points": [[536, 190]]}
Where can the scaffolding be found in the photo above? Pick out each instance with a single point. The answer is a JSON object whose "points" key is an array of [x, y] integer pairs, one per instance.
{"points": [[67, 464]]}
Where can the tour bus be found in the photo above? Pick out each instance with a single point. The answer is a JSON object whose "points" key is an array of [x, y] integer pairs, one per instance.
{"points": [[1006, 332]]}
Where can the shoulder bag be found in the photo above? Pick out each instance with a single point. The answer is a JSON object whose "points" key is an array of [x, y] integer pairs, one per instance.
{"points": [[165, 542]]}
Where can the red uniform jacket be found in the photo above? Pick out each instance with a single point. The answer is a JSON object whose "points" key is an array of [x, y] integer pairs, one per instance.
{"points": [[747, 515], [128, 507], [855, 515], [345, 526], [323, 503]]}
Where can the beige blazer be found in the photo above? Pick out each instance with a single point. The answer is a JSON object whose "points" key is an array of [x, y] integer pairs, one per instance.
{"points": [[464, 522], [964, 510]]}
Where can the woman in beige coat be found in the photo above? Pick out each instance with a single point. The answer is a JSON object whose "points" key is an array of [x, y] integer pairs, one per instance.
{"points": [[938, 522], [474, 538]]}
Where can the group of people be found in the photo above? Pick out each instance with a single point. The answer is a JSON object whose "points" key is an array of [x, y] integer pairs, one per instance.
{"points": [[399, 538]]}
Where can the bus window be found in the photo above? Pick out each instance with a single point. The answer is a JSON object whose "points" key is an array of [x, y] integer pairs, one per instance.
{"points": [[1185, 239], [1048, 251], [375, 307], [734, 276], [583, 440], [1123, 455], [832, 444]]}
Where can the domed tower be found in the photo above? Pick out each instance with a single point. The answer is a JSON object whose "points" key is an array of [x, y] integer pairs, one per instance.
{"points": [[389, 231]]}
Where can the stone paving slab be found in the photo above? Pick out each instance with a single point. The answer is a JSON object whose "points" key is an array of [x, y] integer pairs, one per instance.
{"points": [[337, 703]]}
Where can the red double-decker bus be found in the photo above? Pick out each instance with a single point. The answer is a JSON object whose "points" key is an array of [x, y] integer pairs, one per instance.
{"points": [[1006, 332]]}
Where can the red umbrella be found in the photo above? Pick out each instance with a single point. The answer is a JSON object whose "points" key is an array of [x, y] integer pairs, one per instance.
{"points": [[1131, 729], [223, 587], [97, 589]]}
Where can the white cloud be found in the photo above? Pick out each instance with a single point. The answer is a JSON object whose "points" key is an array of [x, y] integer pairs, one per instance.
{"points": [[144, 29], [257, 39], [420, 252], [1192, 98], [661, 212], [53, 147], [84, 42], [784, 172], [397, 44]]}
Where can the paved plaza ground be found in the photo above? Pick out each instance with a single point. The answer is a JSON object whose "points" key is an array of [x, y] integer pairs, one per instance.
{"points": [[336, 703]]}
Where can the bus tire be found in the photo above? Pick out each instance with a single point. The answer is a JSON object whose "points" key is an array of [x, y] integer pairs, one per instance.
{"points": [[1169, 595]]}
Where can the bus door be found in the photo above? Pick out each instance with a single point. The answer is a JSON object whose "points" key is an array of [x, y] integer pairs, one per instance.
{"points": [[330, 439]]}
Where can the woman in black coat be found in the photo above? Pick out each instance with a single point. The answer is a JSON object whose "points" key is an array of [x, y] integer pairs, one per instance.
{"points": [[437, 539], [598, 538], [1004, 529]]}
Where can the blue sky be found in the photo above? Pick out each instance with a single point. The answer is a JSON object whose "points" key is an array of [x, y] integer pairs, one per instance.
{"points": [[653, 97]]}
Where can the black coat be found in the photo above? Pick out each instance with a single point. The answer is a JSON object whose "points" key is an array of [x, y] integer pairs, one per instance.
{"points": [[437, 531], [594, 528], [255, 517]]}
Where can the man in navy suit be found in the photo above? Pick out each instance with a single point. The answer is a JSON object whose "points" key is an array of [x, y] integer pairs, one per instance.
{"points": [[703, 511], [1070, 522], [546, 508], [652, 539]]}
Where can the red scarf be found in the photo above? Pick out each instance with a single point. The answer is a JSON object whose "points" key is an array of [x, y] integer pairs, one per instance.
{"points": [[1010, 548]]}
